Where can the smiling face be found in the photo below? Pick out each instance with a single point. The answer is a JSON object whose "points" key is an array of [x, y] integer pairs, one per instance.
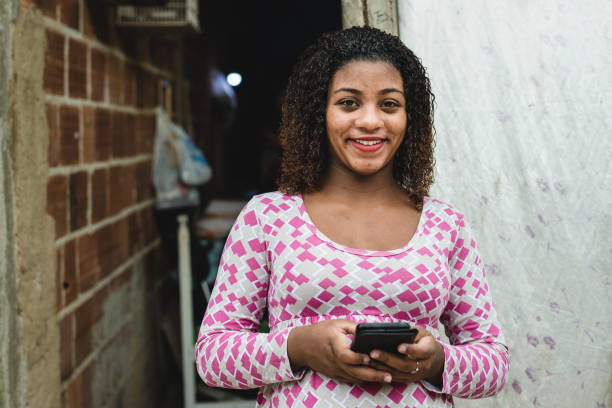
{"points": [[366, 116]]}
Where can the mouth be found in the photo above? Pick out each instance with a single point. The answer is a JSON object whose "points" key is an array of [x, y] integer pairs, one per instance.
{"points": [[367, 144]]}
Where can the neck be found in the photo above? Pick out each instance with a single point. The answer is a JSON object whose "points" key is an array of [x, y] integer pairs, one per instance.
{"points": [[345, 185]]}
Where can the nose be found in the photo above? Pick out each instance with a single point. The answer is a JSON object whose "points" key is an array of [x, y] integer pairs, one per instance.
{"points": [[369, 118]]}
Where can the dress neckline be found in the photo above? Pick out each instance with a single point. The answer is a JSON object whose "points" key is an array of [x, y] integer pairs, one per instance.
{"points": [[363, 252]]}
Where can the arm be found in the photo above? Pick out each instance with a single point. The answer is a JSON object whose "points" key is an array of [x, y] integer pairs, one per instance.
{"points": [[229, 351], [476, 361]]}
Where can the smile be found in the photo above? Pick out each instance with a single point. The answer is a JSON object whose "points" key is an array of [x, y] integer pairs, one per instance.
{"points": [[369, 142], [367, 146]]}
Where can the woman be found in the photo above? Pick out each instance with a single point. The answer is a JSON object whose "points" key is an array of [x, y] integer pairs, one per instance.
{"points": [[352, 237]]}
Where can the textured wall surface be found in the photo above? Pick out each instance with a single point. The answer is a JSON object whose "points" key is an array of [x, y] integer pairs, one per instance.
{"points": [[10, 368], [524, 135]]}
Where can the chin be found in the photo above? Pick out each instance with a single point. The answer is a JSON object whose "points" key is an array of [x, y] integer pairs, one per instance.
{"points": [[365, 171]]}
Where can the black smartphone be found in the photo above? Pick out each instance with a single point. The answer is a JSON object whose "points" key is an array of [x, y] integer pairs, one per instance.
{"points": [[382, 336]]}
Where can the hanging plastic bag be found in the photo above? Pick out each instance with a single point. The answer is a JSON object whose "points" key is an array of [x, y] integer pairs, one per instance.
{"points": [[178, 165], [194, 170]]}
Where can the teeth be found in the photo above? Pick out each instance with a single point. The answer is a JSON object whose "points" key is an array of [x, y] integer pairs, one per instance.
{"points": [[368, 142]]}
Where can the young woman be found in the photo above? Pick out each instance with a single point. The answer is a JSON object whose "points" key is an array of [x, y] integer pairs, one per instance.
{"points": [[353, 237]]}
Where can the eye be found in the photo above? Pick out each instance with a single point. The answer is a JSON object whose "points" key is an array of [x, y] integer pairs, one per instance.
{"points": [[390, 104], [348, 103]]}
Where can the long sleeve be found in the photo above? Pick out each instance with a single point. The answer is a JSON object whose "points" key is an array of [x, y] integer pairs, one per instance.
{"points": [[230, 352], [476, 361]]}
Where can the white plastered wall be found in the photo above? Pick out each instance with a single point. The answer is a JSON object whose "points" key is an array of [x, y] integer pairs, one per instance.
{"points": [[524, 146]]}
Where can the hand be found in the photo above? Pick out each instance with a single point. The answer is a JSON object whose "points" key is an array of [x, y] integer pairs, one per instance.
{"points": [[324, 348], [425, 349]]}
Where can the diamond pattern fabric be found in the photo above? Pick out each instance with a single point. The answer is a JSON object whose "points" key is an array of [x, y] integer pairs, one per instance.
{"points": [[275, 259]]}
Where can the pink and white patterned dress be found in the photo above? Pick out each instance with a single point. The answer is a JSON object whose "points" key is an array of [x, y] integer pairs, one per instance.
{"points": [[275, 259]]}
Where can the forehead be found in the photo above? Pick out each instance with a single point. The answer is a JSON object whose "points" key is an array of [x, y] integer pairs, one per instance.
{"points": [[365, 74]]}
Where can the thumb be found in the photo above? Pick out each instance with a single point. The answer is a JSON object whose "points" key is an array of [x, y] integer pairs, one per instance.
{"points": [[347, 326]]}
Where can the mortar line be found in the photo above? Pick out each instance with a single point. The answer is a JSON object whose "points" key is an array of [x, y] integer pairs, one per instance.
{"points": [[92, 42], [67, 100], [106, 221], [84, 297], [66, 170], [94, 354]]}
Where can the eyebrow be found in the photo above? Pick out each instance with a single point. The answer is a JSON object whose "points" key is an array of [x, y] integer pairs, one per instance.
{"points": [[358, 92]]}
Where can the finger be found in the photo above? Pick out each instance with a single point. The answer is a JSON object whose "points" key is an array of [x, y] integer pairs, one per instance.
{"points": [[370, 374], [422, 333], [349, 357], [392, 360], [344, 354], [421, 350]]}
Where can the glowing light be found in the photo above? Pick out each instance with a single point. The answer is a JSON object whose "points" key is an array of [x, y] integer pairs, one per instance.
{"points": [[234, 78]]}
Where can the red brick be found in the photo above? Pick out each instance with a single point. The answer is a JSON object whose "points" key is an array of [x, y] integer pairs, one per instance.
{"points": [[53, 152], [119, 135], [149, 87], [98, 22], [70, 13], [78, 393], [121, 188], [163, 54], [78, 200], [131, 134], [53, 77], [136, 238], [122, 240], [66, 346], [89, 267], [69, 282], [131, 84], [103, 135], [69, 135], [121, 284], [89, 134], [115, 79], [59, 271], [109, 249], [77, 69], [147, 223], [100, 194], [146, 133], [143, 183], [87, 316], [57, 203], [125, 138], [98, 74]]}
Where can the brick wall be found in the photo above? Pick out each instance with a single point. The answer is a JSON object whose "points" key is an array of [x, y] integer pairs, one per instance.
{"points": [[100, 89]]}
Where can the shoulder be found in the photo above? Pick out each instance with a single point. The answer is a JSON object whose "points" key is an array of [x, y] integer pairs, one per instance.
{"points": [[443, 215], [271, 200], [271, 205]]}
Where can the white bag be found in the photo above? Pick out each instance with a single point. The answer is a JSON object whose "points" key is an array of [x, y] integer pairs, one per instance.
{"points": [[178, 165]]}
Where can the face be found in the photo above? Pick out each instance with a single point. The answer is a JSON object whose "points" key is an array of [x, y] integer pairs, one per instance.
{"points": [[366, 116]]}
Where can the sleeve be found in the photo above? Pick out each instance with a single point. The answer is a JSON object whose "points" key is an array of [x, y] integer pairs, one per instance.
{"points": [[476, 361], [229, 351]]}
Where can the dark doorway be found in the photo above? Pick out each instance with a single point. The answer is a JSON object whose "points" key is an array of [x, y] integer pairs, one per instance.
{"points": [[261, 41]]}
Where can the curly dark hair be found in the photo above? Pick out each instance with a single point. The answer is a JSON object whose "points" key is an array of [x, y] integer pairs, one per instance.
{"points": [[303, 131]]}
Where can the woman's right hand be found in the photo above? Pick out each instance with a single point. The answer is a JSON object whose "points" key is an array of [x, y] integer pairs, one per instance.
{"points": [[324, 347]]}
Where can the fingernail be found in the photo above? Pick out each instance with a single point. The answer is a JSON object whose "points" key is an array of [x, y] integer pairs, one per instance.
{"points": [[402, 349], [387, 378], [375, 354]]}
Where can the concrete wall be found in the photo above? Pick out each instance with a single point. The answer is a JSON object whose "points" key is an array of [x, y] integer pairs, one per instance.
{"points": [[33, 231], [523, 148], [11, 384]]}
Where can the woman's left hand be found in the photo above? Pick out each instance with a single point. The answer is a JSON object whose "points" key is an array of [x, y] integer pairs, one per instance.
{"points": [[403, 368]]}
